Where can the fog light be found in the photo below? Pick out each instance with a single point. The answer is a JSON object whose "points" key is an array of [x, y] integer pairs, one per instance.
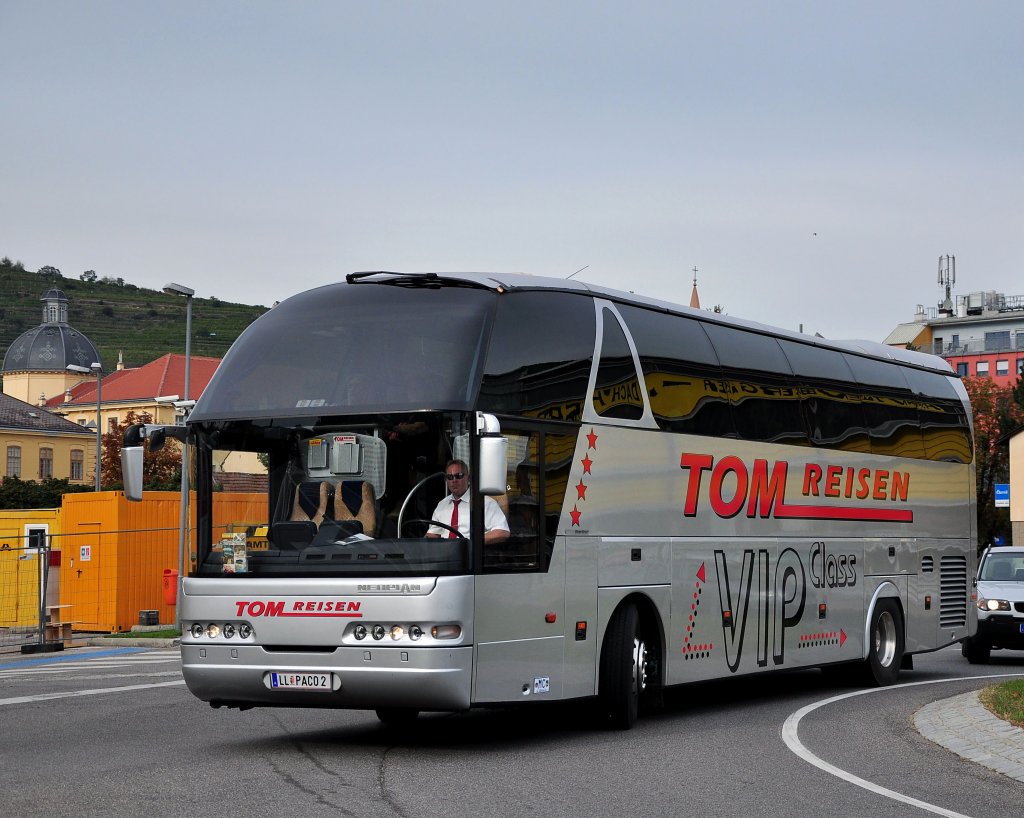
{"points": [[196, 630], [359, 632], [378, 632]]}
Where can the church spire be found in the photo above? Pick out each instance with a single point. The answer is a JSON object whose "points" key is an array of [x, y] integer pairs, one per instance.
{"points": [[694, 298]]}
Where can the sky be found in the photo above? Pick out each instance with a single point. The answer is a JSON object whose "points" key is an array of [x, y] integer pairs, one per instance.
{"points": [[813, 160]]}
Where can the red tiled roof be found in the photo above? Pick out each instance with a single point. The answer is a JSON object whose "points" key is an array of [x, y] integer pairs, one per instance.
{"points": [[240, 481], [164, 376]]}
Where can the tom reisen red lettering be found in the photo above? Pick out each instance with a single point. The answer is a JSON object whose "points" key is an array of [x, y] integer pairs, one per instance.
{"points": [[759, 489]]}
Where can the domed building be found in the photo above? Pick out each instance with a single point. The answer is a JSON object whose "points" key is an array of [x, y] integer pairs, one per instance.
{"points": [[35, 365]]}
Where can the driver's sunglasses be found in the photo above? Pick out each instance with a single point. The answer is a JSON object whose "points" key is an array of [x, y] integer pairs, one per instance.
{"points": [[455, 475]]}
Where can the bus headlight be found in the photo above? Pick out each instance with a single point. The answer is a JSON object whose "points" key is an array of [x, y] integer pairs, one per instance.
{"points": [[213, 631], [359, 632], [378, 632], [197, 630], [229, 631], [245, 630], [397, 632]]}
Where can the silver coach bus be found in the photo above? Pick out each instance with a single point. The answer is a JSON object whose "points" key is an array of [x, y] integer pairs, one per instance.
{"points": [[688, 497]]}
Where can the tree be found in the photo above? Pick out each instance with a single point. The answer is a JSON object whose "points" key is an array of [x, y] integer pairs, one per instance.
{"points": [[17, 493], [49, 272], [997, 411], [88, 275], [161, 470]]}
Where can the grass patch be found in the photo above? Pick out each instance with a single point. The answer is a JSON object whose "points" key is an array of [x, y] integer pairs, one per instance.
{"points": [[168, 633], [1006, 700]]}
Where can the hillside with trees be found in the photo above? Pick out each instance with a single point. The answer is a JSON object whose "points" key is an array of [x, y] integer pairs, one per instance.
{"points": [[117, 316]]}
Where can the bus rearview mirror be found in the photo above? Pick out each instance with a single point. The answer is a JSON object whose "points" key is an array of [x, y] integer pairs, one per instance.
{"points": [[493, 453]]}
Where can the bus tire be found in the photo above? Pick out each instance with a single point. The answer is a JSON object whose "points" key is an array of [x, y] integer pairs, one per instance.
{"points": [[625, 668], [397, 716], [976, 652], [885, 644]]}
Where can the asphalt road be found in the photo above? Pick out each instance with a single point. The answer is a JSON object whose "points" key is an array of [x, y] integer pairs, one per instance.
{"points": [[95, 732]]}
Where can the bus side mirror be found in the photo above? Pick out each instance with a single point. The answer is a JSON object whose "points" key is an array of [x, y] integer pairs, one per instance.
{"points": [[493, 456], [131, 461]]}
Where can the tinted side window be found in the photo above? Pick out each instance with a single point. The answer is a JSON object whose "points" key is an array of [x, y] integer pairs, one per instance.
{"points": [[829, 398], [764, 397], [944, 423], [890, 408], [538, 359], [617, 389], [684, 381]]}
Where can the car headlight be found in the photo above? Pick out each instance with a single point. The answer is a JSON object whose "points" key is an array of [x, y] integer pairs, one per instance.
{"points": [[993, 604]]}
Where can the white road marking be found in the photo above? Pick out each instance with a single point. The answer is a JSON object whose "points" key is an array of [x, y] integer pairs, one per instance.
{"points": [[106, 662], [792, 725], [43, 697]]}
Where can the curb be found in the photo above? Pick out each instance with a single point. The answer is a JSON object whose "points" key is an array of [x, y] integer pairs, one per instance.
{"points": [[129, 642], [966, 727]]}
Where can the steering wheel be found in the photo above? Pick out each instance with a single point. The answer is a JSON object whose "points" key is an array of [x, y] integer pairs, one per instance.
{"points": [[454, 530]]}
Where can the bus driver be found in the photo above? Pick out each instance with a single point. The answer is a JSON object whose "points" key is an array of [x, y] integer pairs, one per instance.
{"points": [[453, 510]]}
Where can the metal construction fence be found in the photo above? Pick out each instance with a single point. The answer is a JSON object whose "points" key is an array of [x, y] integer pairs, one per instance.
{"points": [[58, 590]]}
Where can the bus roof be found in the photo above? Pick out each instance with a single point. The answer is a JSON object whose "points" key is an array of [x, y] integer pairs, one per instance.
{"points": [[508, 282]]}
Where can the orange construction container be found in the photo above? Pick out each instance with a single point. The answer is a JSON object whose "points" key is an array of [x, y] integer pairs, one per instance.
{"points": [[115, 553]]}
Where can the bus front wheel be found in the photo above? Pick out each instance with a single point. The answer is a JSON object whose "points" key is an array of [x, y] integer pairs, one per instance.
{"points": [[625, 668], [885, 644]]}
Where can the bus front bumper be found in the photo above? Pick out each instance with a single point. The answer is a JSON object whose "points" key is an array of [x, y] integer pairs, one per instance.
{"points": [[356, 678]]}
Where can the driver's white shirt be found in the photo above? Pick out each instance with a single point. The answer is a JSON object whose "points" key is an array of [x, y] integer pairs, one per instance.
{"points": [[493, 516]]}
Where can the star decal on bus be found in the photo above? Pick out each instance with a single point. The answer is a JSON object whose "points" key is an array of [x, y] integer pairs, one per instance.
{"points": [[581, 490], [592, 440], [587, 463], [575, 514]]}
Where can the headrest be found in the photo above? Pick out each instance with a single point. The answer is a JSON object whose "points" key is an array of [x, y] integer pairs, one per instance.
{"points": [[309, 498], [352, 494]]}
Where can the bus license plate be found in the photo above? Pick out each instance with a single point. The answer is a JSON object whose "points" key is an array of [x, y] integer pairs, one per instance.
{"points": [[301, 681]]}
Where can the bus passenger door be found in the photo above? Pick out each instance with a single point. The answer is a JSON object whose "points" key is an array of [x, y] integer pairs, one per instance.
{"points": [[520, 591]]}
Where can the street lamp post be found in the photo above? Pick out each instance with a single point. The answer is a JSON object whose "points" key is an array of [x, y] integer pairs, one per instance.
{"points": [[187, 292], [95, 369]]}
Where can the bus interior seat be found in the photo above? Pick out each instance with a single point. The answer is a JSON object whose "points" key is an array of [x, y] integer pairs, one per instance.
{"points": [[292, 534], [310, 501], [356, 500]]}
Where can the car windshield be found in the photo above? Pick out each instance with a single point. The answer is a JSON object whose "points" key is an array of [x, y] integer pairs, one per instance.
{"points": [[1003, 568]]}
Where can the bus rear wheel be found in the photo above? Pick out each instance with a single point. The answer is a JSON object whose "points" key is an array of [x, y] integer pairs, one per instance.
{"points": [[626, 667], [885, 644]]}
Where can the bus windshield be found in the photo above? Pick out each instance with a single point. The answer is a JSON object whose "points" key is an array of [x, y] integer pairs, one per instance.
{"points": [[341, 497], [354, 349]]}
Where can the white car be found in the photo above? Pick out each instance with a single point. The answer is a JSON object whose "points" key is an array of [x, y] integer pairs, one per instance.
{"points": [[1000, 604]]}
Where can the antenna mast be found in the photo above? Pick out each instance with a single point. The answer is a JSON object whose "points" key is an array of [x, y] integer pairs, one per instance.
{"points": [[947, 278]]}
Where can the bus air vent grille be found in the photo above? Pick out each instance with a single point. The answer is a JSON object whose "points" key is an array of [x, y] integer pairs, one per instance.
{"points": [[953, 592]]}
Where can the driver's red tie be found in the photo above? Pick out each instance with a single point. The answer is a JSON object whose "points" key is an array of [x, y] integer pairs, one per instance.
{"points": [[455, 519]]}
